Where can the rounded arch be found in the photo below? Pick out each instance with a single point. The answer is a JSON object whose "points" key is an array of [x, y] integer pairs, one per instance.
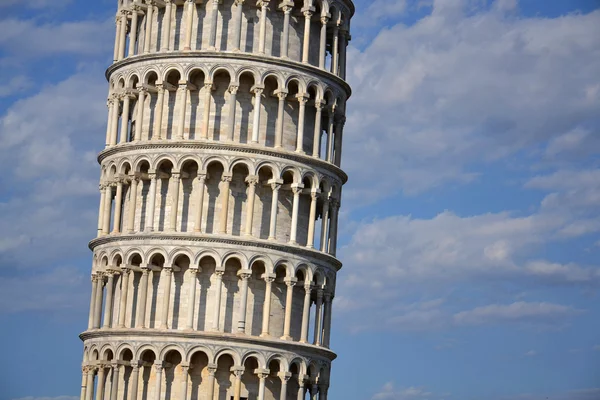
{"points": [[215, 160], [306, 271], [241, 161], [124, 166], [107, 353], [300, 364], [131, 253], [169, 69], [297, 80], [171, 347], [283, 364], [242, 259], [294, 171], [150, 76], [141, 162], [237, 359], [133, 80], [287, 265], [150, 254], [310, 177], [162, 159], [188, 159], [122, 348], [260, 359], [248, 70], [261, 258], [268, 165], [199, 348], [190, 71], [144, 350], [116, 255], [208, 254], [180, 252], [222, 69], [274, 75]]}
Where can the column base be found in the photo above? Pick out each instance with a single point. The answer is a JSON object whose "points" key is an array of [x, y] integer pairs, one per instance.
{"points": [[286, 337], [265, 335]]}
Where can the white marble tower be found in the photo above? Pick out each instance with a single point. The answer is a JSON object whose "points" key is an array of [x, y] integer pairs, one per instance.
{"points": [[214, 268]]}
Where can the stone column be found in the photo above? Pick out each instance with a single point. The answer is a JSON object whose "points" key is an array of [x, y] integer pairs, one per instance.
{"points": [[335, 206], [114, 125], [175, 178], [281, 95], [198, 219], [327, 319], [149, 17], [262, 374], [275, 185], [343, 46], [324, 224], [314, 392], [269, 279], [108, 308], [289, 298], [296, 190], [98, 301], [285, 377], [83, 382], [189, 24], [89, 391], [334, 51], [102, 188], [231, 117], [125, 119], [323, 392], [305, 47], [183, 90], [256, 117], [158, 114], [310, 241], [212, 38], [158, 380], [117, 38], [133, 30], [337, 160], [124, 294], [301, 388], [302, 100], [167, 275], [210, 385], [92, 302], [166, 39], [244, 276], [139, 123], [109, 105], [306, 312], [134, 379], [142, 299], [184, 381], [237, 34], [118, 207], [263, 4], [318, 318], [226, 179], [318, 131], [114, 381], [100, 386], [217, 305], [152, 205], [107, 209], [330, 133], [251, 180], [237, 386], [206, 117], [287, 9], [133, 189], [323, 44], [192, 298], [123, 34]]}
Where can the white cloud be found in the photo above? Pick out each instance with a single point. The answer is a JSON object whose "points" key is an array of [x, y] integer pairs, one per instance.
{"points": [[521, 312], [458, 89], [15, 85], [28, 39], [531, 353], [390, 392], [35, 4]]}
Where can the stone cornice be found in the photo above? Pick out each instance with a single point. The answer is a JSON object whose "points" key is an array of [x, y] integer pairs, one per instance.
{"points": [[226, 55], [129, 335], [242, 148], [211, 238]]}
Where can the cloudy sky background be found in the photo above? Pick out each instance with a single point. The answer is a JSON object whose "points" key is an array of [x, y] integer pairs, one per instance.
{"points": [[470, 226]]}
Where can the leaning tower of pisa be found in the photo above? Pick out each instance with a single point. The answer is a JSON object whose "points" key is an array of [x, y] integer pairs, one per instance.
{"points": [[214, 266]]}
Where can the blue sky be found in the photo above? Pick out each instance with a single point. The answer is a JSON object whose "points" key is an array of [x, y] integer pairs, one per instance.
{"points": [[470, 225]]}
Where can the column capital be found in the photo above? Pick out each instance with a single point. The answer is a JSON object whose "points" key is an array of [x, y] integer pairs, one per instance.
{"points": [[158, 366], [257, 89], [335, 204], [303, 98], [290, 282], [201, 177], [308, 13], [308, 287], [167, 269], [286, 6], [319, 104], [324, 19], [233, 89], [176, 176], [195, 271], [281, 94], [244, 274], [212, 369], [252, 179], [320, 293], [115, 366], [275, 183], [238, 371], [219, 274], [226, 178], [262, 3], [270, 278], [315, 193], [284, 376], [262, 373], [297, 188]]}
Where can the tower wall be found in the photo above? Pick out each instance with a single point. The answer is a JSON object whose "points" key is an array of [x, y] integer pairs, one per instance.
{"points": [[214, 266]]}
